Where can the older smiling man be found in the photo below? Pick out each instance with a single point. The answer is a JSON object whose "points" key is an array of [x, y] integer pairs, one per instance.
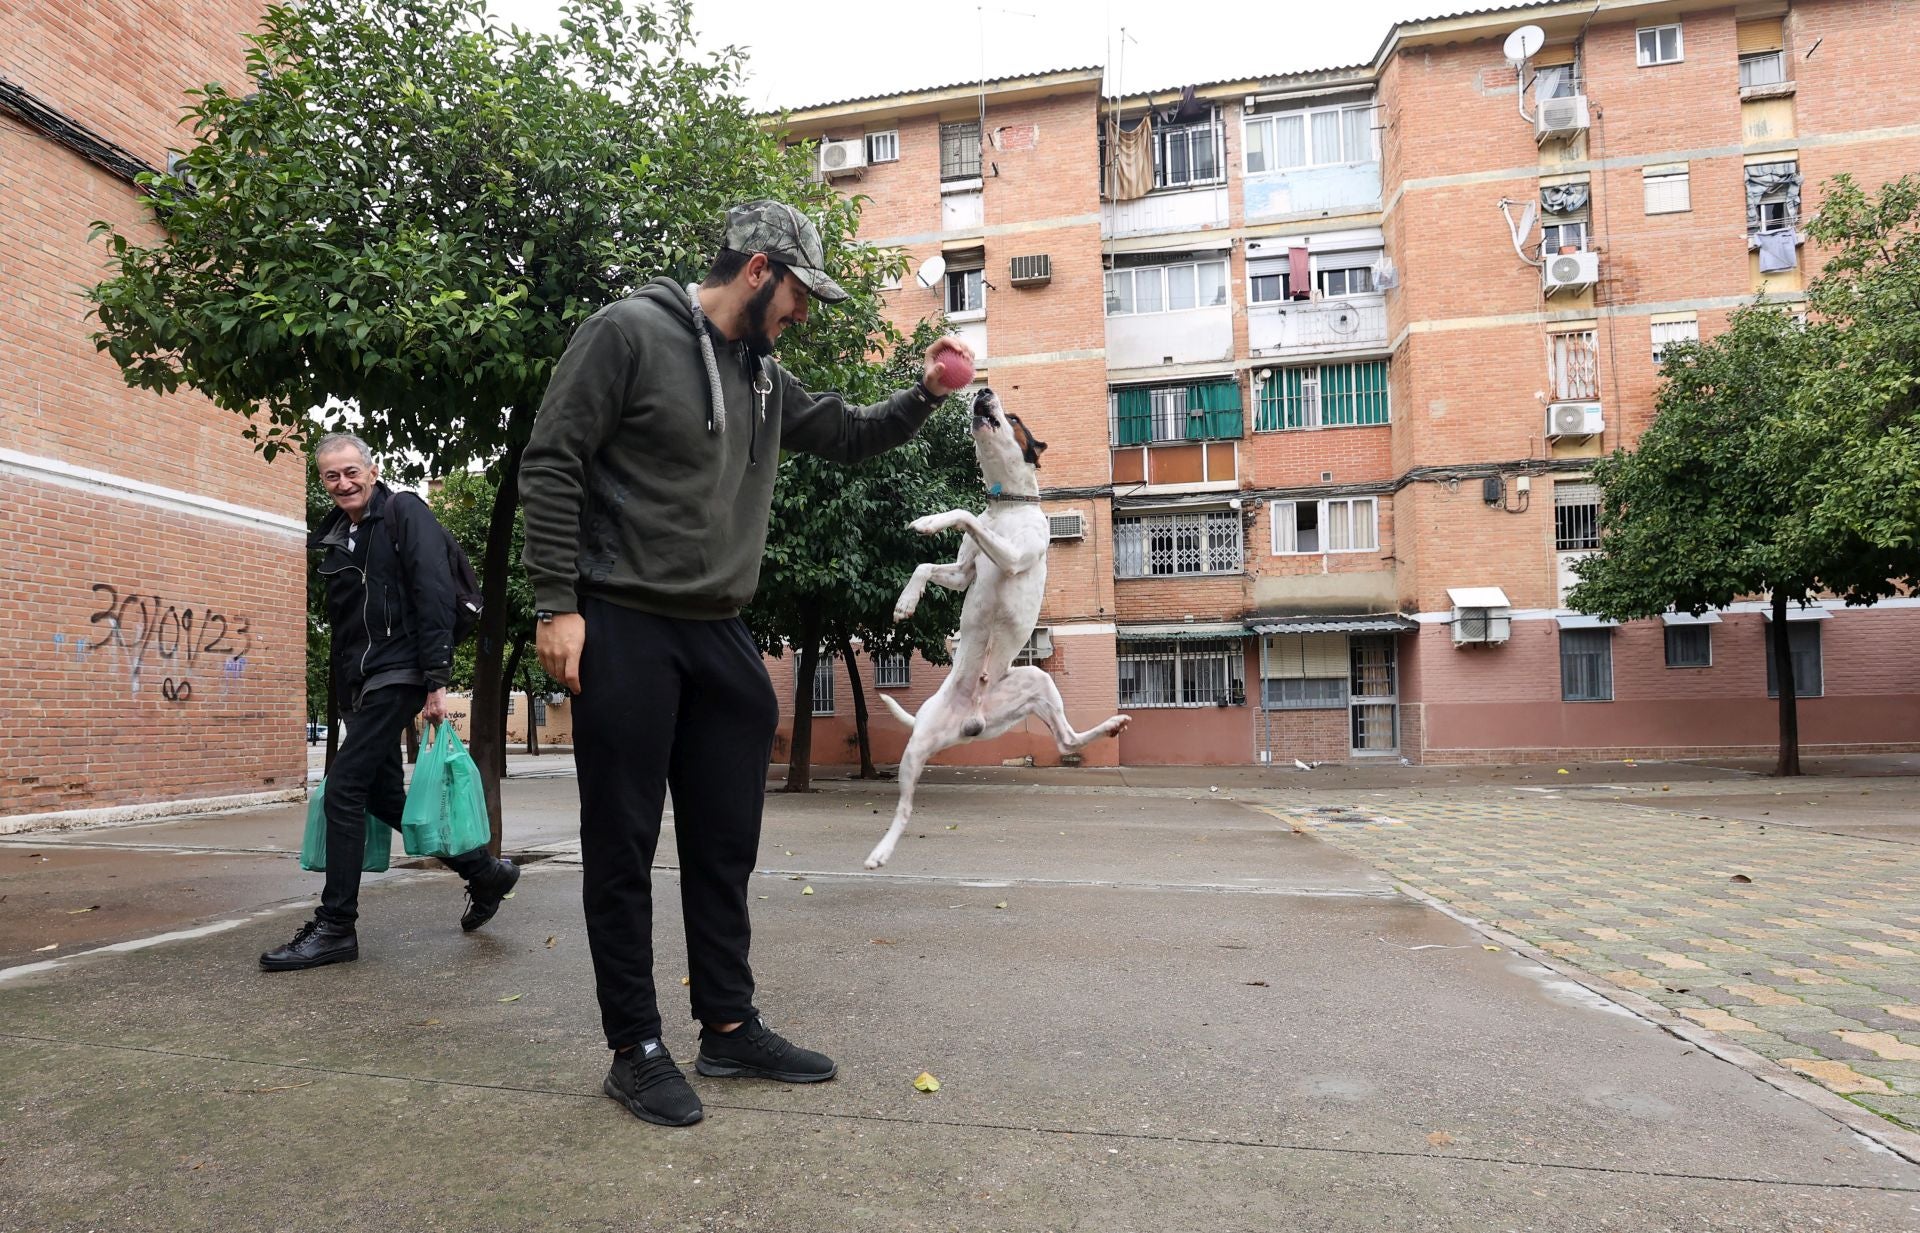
{"points": [[390, 604]]}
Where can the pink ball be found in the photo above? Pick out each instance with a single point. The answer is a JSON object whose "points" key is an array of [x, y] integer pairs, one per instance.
{"points": [[956, 370]]}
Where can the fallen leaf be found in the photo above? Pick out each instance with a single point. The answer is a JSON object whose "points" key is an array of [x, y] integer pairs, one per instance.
{"points": [[1258, 984], [1001, 904], [48, 946], [1741, 878], [789, 853], [926, 1082], [82, 911], [686, 980], [513, 997], [425, 1023], [262, 1091], [1440, 1138], [550, 942], [1666, 787], [759, 896], [882, 941], [954, 827], [806, 890], [1489, 946], [1561, 771]]}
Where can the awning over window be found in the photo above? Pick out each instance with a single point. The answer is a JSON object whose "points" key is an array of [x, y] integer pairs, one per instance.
{"points": [[1478, 597], [1709, 617], [1583, 620], [1796, 613], [1179, 630], [1377, 623]]}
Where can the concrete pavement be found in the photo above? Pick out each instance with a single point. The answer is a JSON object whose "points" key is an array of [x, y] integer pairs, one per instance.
{"points": [[1150, 1007]]}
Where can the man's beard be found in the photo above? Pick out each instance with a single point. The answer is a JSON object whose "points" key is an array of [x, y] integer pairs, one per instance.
{"points": [[757, 340]]}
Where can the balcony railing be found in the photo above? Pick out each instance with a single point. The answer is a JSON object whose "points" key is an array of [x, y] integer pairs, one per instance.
{"points": [[1309, 327]]}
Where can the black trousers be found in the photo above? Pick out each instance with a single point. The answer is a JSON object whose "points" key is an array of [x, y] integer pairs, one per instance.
{"points": [[367, 778], [683, 705]]}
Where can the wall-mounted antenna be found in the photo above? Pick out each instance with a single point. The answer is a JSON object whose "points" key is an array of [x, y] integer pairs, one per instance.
{"points": [[1520, 48]]}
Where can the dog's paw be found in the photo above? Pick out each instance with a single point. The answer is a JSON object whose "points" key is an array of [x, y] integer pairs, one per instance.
{"points": [[932, 524], [903, 611], [1118, 724], [877, 858]]}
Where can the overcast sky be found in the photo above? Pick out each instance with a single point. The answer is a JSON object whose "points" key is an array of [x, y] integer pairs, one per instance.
{"points": [[814, 51]]}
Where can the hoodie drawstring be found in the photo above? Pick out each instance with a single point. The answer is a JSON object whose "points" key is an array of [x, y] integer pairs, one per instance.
{"points": [[716, 401]]}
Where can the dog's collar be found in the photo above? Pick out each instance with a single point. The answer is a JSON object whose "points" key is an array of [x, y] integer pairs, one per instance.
{"points": [[996, 493]]}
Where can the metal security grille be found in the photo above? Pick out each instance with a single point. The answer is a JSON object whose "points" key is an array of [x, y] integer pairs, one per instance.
{"points": [[890, 672], [1573, 361], [823, 686], [1165, 545], [960, 150], [1375, 716], [1586, 665], [1576, 517], [1173, 674]]}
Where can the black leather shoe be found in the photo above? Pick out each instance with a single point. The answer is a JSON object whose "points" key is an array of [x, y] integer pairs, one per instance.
{"points": [[318, 943], [485, 893], [755, 1051], [647, 1082]]}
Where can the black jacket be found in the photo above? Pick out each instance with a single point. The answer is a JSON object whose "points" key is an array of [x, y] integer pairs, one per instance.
{"points": [[391, 613]]}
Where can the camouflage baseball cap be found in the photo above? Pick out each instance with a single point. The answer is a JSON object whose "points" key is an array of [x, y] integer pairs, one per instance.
{"points": [[787, 236]]}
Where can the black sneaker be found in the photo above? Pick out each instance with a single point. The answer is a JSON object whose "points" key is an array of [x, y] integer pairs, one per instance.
{"points": [[755, 1051], [485, 893], [316, 944], [646, 1081]]}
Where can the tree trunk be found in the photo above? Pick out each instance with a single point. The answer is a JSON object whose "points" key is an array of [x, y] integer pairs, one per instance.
{"points": [[488, 728], [1789, 763], [506, 697], [800, 749], [533, 715], [859, 711], [333, 723]]}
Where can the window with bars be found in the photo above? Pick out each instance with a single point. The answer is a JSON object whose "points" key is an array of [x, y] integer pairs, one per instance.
{"points": [[883, 147], [823, 685], [1658, 45], [1555, 81], [1689, 646], [1310, 137], [1172, 545], [1576, 516], [1803, 645], [966, 292], [890, 672], [1573, 365], [1201, 672], [1166, 288], [1666, 333], [960, 150], [1586, 665], [1668, 189], [1187, 154], [1202, 411], [1322, 396], [1339, 524], [1304, 672], [1565, 232]]}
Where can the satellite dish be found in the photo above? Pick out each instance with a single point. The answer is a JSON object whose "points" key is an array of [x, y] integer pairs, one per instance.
{"points": [[1522, 43], [931, 271]]}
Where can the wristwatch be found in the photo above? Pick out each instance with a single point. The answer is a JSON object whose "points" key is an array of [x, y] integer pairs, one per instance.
{"points": [[544, 617]]}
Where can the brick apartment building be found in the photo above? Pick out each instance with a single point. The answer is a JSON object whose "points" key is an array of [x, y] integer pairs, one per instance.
{"points": [[1320, 413], [154, 642]]}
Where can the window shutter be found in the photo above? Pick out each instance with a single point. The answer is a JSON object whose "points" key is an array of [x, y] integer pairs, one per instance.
{"points": [[1760, 36]]}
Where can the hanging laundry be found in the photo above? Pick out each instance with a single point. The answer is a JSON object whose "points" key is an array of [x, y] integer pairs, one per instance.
{"points": [[1777, 250], [1129, 160]]}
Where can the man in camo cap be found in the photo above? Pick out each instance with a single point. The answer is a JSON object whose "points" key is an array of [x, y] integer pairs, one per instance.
{"points": [[648, 485]]}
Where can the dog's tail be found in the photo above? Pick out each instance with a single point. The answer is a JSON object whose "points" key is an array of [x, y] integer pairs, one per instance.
{"points": [[899, 712]]}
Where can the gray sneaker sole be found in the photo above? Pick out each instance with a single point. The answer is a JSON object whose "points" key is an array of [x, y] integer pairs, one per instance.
{"points": [[642, 1112], [738, 1070]]}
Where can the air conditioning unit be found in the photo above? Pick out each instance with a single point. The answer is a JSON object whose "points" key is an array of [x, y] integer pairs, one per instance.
{"points": [[1034, 271], [843, 157], [1575, 419], [1481, 626], [1066, 526], [1560, 118], [1569, 272], [1039, 646]]}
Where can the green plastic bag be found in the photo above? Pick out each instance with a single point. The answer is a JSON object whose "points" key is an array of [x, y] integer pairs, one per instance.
{"points": [[313, 848], [446, 812]]}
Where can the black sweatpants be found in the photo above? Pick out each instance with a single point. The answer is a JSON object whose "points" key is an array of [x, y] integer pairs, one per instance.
{"points": [[687, 705], [367, 778]]}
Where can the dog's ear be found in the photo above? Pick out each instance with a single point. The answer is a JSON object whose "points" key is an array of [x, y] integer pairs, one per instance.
{"points": [[1035, 447]]}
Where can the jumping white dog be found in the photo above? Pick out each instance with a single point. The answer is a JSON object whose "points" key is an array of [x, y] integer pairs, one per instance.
{"points": [[1003, 568]]}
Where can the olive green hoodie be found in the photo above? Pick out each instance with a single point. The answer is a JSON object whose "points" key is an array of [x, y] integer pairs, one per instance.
{"points": [[647, 486]]}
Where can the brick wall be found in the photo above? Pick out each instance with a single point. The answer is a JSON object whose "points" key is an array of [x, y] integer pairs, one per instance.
{"points": [[209, 606]]}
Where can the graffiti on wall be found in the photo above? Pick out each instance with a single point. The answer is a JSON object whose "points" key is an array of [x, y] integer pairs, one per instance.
{"points": [[155, 637]]}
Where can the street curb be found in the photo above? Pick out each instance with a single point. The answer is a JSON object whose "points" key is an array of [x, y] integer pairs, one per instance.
{"points": [[134, 815], [1901, 1142]]}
